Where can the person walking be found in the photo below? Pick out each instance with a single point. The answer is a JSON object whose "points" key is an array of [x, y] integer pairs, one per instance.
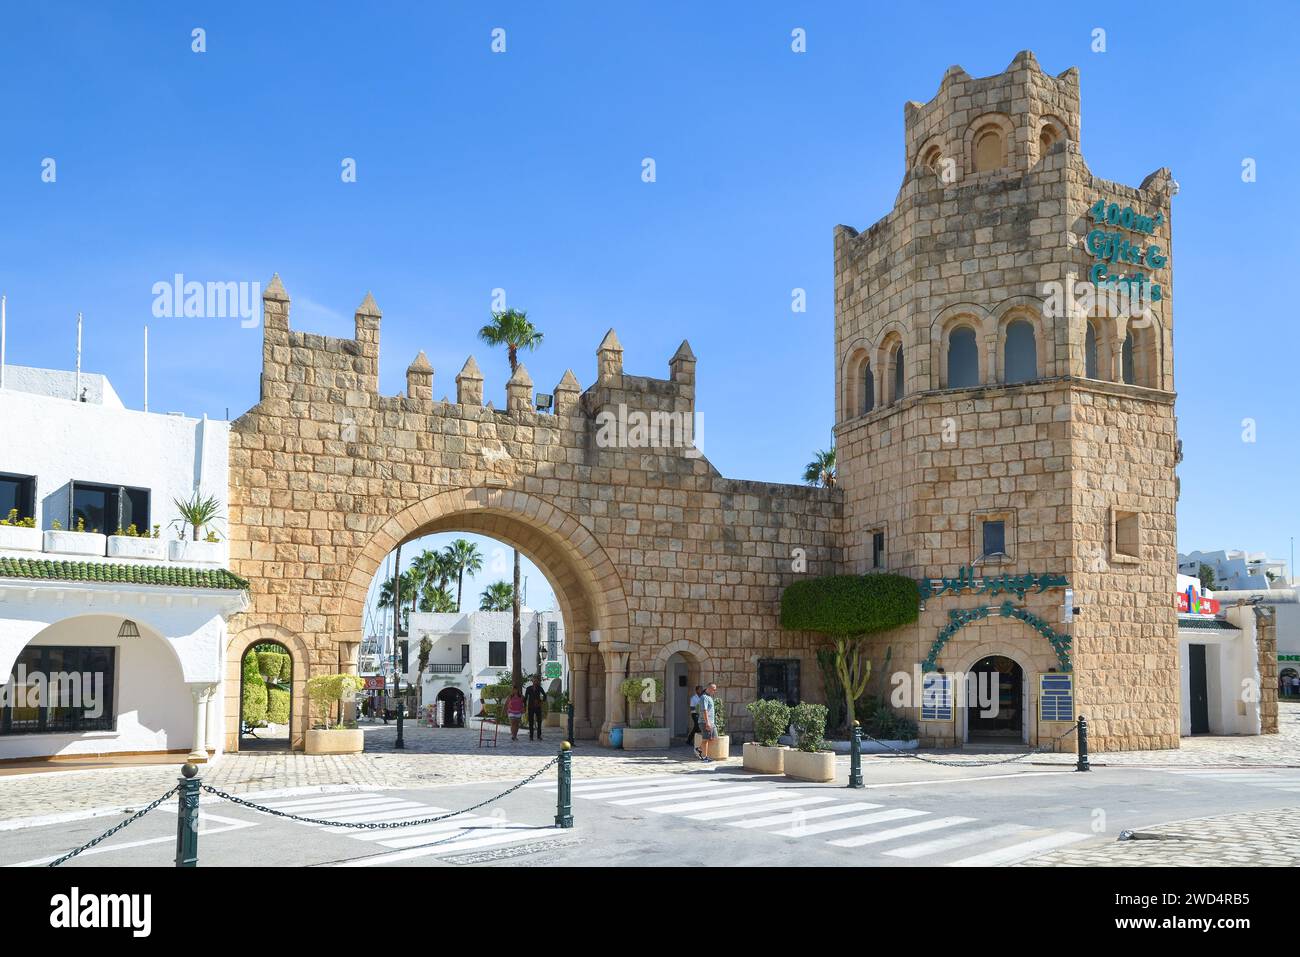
{"points": [[535, 698], [695, 716], [708, 730], [515, 712]]}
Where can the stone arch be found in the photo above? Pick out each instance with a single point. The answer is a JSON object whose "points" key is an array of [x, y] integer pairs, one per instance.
{"points": [[952, 319], [1029, 672], [857, 381], [983, 155], [300, 713], [700, 670], [1050, 131], [1021, 309], [1141, 346], [929, 157], [892, 344], [585, 581]]}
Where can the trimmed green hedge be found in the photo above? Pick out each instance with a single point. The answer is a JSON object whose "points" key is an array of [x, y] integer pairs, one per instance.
{"points": [[850, 604], [277, 706], [254, 692], [274, 665]]}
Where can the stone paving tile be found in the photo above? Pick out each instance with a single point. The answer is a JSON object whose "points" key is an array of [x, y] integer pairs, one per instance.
{"points": [[1268, 838]]}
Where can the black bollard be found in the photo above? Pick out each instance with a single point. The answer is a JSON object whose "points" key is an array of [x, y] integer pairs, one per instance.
{"points": [[187, 818], [564, 793], [1082, 764], [855, 759]]}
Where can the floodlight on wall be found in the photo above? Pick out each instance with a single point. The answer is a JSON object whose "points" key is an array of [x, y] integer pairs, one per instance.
{"points": [[544, 401], [128, 629]]}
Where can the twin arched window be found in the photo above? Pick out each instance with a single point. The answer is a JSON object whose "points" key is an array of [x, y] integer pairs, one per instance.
{"points": [[868, 385], [1019, 353], [896, 361], [963, 358]]}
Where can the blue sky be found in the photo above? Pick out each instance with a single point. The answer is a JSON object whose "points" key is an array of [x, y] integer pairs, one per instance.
{"points": [[521, 171]]}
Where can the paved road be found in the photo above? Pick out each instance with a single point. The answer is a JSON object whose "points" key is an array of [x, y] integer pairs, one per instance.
{"points": [[909, 814]]}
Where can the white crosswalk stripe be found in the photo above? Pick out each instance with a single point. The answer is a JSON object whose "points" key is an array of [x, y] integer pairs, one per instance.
{"points": [[635, 792], [806, 815], [800, 829], [697, 791], [954, 841], [774, 803], [1016, 852], [905, 830]]}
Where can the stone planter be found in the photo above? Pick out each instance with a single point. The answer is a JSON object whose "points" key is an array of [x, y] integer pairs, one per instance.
{"points": [[19, 539], [124, 546], [557, 719], [335, 741], [202, 553], [810, 765], [719, 747], [63, 542], [646, 739], [763, 759]]}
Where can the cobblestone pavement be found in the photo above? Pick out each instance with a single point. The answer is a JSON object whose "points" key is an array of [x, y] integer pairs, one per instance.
{"points": [[1250, 839]]}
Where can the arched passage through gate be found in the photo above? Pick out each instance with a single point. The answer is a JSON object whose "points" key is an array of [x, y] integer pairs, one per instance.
{"points": [[586, 584]]}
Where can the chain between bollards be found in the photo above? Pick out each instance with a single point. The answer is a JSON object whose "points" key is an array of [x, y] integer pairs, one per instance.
{"points": [[564, 793], [187, 817], [855, 760], [1082, 764]]}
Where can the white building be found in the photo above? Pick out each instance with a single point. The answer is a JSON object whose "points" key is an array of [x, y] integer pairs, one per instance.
{"points": [[112, 643], [1219, 662], [1237, 570], [471, 648]]}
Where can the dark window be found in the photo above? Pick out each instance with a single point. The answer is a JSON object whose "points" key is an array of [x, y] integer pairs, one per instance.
{"points": [[995, 538], [778, 680], [464, 655], [17, 492], [60, 690], [1019, 353], [963, 359], [868, 389], [877, 549], [1126, 360], [109, 507], [496, 654], [898, 374], [1090, 352]]}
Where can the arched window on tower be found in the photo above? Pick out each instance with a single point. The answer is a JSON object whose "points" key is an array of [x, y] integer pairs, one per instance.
{"points": [[896, 360], [868, 388], [1126, 360], [1019, 353], [1090, 351], [990, 150], [931, 157], [963, 359]]}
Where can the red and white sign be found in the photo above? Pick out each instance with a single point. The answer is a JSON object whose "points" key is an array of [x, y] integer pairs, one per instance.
{"points": [[375, 683], [1189, 603]]}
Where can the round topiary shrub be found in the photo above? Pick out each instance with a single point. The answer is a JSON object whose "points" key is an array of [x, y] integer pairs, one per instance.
{"points": [[771, 718], [809, 721]]}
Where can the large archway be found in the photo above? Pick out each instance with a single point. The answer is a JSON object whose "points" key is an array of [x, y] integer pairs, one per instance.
{"points": [[300, 661], [586, 583]]}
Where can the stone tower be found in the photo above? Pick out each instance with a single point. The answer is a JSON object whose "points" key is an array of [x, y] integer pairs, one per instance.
{"points": [[999, 415]]}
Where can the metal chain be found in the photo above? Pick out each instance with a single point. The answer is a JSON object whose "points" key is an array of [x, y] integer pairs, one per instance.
{"points": [[380, 825], [1041, 749], [113, 830]]}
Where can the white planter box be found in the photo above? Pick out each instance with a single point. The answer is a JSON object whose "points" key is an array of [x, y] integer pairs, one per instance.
{"points": [[810, 765], [335, 741], [63, 542], [203, 553], [719, 747], [124, 546], [763, 759], [646, 739], [20, 539]]}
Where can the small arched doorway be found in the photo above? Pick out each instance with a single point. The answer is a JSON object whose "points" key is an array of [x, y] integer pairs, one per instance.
{"points": [[451, 708], [995, 701], [265, 697], [677, 695]]}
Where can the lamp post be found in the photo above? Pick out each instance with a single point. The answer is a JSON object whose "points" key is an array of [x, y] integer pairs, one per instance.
{"points": [[400, 743]]}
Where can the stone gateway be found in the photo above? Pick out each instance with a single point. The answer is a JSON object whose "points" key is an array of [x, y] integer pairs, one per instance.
{"points": [[987, 420]]}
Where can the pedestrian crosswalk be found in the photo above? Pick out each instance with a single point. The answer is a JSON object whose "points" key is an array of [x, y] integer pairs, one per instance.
{"points": [[834, 816], [463, 832], [1280, 779]]}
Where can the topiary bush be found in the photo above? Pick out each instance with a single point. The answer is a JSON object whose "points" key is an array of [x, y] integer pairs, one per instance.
{"points": [[850, 604], [277, 706], [771, 718], [253, 712], [272, 664], [809, 721], [325, 690]]}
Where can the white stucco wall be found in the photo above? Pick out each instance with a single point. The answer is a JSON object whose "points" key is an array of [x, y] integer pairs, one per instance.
{"points": [[1231, 671], [61, 384], [58, 441]]}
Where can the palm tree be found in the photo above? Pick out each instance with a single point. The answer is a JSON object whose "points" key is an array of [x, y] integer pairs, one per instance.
{"points": [[513, 329], [821, 470], [433, 569], [436, 599], [499, 596], [463, 556]]}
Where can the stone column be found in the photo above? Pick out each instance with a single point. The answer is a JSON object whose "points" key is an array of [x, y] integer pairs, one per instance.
{"points": [[579, 694], [615, 705], [348, 666], [200, 692]]}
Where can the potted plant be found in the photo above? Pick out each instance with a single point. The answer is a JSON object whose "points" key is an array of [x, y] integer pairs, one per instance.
{"points": [[196, 513], [648, 733], [764, 754], [324, 691], [77, 541], [720, 746], [19, 534], [132, 543], [809, 762]]}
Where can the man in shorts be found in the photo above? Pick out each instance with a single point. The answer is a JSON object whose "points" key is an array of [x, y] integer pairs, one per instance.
{"points": [[708, 729]]}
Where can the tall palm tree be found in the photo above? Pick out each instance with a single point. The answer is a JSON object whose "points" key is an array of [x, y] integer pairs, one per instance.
{"points": [[464, 557], [821, 470], [436, 599], [513, 329], [410, 587], [499, 596], [433, 569]]}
